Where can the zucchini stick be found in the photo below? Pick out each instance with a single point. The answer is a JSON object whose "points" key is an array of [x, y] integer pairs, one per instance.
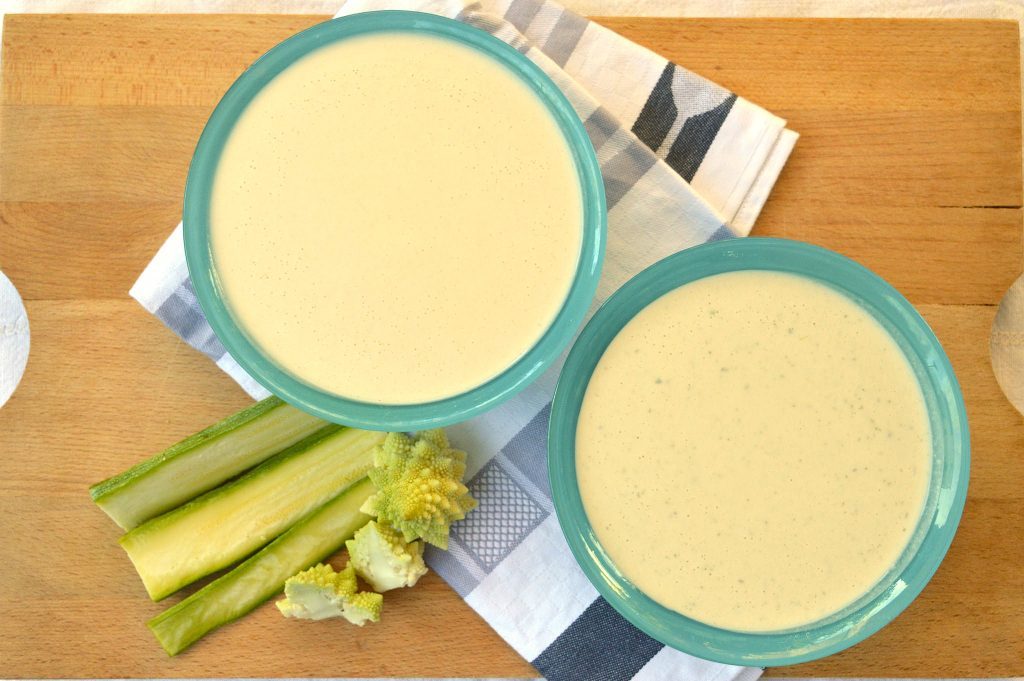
{"points": [[232, 521], [263, 575], [199, 463]]}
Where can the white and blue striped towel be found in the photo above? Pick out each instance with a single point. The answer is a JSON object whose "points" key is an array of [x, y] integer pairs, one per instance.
{"points": [[684, 162]]}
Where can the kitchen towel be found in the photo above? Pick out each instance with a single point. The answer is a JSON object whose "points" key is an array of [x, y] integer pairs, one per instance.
{"points": [[684, 161]]}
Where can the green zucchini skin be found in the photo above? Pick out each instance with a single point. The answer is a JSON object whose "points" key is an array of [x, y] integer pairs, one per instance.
{"points": [[202, 461], [310, 541], [232, 521]]}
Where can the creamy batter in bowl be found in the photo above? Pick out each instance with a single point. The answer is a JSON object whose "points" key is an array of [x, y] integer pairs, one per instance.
{"points": [[731, 573], [394, 220]]}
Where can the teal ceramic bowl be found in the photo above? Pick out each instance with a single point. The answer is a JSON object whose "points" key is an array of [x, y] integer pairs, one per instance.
{"points": [[950, 454], [203, 271]]}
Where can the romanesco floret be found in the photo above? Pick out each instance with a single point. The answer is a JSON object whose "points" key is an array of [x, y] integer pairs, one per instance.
{"points": [[364, 607], [383, 558], [320, 592], [419, 486]]}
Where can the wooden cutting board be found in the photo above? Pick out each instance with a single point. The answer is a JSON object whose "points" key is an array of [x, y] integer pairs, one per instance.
{"points": [[909, 161]]}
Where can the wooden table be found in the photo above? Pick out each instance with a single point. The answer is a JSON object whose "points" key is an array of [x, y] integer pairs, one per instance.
{"points": [[910, 162]]}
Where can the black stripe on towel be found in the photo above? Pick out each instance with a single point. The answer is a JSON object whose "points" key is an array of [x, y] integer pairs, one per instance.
{"points": [[599, 646], [692, 144], [659, 112]]}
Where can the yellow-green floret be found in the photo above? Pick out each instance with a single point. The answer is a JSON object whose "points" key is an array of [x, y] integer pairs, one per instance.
{"points": [[419, 486], [383, 558], [320, 592]]}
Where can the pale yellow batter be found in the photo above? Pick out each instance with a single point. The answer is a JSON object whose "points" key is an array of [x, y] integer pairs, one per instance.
{"points": [[396, 218], [753, 451]]}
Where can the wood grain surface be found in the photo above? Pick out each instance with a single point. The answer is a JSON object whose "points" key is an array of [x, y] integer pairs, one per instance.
{"points": [[909, 161]]}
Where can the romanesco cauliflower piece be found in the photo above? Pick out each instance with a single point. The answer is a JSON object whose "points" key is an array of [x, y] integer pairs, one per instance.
{"points": [[320, 592], [419, 486], [363, 607], [383, 558]]}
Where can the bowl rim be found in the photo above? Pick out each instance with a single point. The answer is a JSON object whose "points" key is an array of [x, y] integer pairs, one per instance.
{"points": [[327, 405], [940, 516]]}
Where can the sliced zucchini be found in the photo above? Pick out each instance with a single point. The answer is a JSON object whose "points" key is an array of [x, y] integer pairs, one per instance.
{"points": [[308, 542], [230, 522], [201, 462]]}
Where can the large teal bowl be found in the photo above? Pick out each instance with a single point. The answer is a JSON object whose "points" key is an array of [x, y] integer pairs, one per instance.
{"points": [[950, 454], [246, 352]]}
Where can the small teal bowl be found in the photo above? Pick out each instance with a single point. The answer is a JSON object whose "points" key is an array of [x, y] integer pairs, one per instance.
{"points": [[328, 405], [950, 454]]}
